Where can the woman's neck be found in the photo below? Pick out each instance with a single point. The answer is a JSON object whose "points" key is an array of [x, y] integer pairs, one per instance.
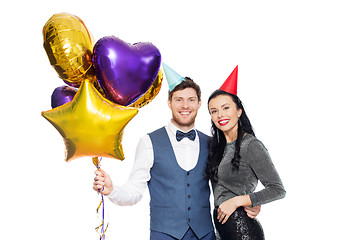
{"points": [[231, 136]]}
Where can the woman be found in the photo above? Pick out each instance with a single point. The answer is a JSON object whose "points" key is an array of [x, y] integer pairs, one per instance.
{"points": [[237, 160]]}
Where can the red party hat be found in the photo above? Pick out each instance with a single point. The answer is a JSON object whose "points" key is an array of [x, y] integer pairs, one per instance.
{"points": [[230, 84]]}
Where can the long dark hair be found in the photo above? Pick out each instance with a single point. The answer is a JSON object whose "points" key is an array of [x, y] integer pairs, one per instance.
{"points": [[217, 142]]}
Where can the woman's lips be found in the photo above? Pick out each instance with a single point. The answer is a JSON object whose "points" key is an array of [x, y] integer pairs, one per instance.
{"points": [[223, 122]]}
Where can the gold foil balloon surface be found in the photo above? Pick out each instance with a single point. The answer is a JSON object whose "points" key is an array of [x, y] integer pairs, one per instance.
{"points": [[90, 124], [69, 46], [151, 93]]}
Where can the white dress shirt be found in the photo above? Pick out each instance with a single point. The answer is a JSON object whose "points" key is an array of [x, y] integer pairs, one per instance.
{"points": [[186, 153]]}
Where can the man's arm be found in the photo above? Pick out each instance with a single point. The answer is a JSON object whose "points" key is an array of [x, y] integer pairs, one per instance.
{"points": [[131, 192]]}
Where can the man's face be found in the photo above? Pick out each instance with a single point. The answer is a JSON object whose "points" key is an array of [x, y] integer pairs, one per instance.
{"points": [[184, 106]]}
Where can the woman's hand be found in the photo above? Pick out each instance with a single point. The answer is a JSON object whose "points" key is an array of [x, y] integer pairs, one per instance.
{"points": [[228, 207], [102, 182], [252, 212]]}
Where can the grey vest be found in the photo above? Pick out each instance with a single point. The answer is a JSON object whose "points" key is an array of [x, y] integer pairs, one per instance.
{"points": [[179, 199]]}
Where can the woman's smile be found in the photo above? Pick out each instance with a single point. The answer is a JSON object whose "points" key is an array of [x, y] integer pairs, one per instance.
{"points": [[223, 122]]}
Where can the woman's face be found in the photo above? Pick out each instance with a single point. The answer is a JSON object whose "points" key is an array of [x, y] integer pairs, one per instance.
{"points": [[224, 114]]}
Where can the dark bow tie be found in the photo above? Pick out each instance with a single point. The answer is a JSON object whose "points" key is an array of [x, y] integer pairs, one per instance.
{"points": [[180, 135]]}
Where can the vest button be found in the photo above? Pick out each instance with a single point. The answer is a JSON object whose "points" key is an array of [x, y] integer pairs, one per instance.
{"points": [[188, 184], [189, 208], [187, 173], [189, 220], [189, 196]]}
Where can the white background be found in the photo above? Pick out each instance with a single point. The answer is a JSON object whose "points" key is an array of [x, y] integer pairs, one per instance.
{"points": [[298, 74]]}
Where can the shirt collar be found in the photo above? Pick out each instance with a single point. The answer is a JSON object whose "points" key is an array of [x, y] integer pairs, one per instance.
{"points": [[174, 128]]}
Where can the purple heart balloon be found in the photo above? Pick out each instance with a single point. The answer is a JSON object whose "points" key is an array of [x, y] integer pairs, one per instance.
{"points": [[125, 71], [62, 95]]}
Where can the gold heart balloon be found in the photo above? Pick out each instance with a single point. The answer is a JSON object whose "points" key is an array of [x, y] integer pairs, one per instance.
{"points": [[151, 93], [69, 46], [90, 124]]}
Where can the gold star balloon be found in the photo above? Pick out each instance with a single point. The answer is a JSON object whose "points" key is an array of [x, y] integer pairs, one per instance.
{"points": [[90, 124]]}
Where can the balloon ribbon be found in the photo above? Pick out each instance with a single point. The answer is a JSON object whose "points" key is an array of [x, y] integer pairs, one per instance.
{"points": [[101, 228]]}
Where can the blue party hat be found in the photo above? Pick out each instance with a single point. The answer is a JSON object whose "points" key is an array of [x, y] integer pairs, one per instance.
{"points": [[172, 77]]}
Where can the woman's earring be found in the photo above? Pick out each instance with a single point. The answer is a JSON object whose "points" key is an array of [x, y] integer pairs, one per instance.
{"points": [[240, 124]]}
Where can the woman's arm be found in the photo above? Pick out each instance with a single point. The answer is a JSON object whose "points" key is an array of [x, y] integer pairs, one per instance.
{"points": [[264, 169], [260, 162]]}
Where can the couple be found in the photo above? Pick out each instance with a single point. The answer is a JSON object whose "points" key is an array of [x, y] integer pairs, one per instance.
{"points": [[176, 162]]}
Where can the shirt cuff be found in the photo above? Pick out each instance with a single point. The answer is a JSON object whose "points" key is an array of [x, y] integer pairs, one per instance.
{"points": [[113, 194], [123, 196], [254, 200]]}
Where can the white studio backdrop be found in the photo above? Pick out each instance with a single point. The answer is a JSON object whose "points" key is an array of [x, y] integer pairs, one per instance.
{"points": [[298, 73]]}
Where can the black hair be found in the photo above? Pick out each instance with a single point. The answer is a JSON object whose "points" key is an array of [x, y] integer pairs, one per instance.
{"points": [[217, 142]]}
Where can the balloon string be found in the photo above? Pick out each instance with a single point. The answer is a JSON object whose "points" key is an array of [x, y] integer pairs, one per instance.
{"points": [[96, 162]]}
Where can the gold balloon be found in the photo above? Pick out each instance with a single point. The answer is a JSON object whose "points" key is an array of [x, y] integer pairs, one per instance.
{"points": [[69, 46], [90, 124], [151, 93]]}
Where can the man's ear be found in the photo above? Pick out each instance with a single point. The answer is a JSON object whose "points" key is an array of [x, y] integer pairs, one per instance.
{"points": [[169, 104]]}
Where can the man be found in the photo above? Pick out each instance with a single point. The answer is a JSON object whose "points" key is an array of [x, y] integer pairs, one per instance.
{"points": [[171, 161]]}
